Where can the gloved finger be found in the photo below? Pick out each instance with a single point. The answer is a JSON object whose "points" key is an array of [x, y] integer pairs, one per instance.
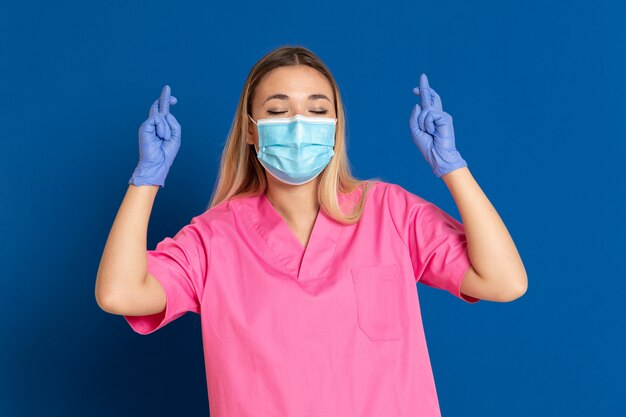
{"points": [[168, 128], [425, 92], [160, 125], [164, 100], [413, 124], [438, 104], [440, 117], [436, 100], [175, 126], [154, 108], [429, 123], [421, 117], [148, 126], [417, 91]]}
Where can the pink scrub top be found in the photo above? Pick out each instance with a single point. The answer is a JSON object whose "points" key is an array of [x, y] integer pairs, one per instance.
{"points": [[333, 329]]}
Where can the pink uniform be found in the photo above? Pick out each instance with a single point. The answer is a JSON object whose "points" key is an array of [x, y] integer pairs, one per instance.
{"points": [[333, 329]]}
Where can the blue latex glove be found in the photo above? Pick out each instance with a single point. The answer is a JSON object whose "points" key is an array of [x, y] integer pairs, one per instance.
{"points": [[432, 131], [159, 141]]}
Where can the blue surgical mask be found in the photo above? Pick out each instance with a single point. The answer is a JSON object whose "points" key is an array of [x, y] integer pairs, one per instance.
{"points": [[295, 149]]}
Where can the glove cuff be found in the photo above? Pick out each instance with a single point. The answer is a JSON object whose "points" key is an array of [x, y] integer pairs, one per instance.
{"points": [[453, 161], [149, 174]]}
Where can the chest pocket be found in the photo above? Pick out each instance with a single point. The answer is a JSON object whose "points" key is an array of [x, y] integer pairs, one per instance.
{"points": [[381, 301]]}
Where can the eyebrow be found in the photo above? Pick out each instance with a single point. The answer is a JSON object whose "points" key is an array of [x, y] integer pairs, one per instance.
{"points": [[281, 96]]}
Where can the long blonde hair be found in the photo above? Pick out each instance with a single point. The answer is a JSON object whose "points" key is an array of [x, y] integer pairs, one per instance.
{"points": [[241, 174]]}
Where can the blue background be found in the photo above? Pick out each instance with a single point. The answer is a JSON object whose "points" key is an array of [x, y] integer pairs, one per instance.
{"points": [[536, 90]]}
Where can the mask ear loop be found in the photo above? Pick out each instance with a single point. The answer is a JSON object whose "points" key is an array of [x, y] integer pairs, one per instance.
{"points": [[255, 150]]}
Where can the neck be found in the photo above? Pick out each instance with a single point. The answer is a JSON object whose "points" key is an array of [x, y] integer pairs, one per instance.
{"points": [[296, 203]]}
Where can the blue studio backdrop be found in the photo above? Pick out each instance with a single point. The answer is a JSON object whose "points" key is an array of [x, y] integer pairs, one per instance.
{"points": [[536, 90]]}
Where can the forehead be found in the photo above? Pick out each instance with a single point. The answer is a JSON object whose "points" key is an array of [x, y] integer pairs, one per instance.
{"points": [[296, 81]]}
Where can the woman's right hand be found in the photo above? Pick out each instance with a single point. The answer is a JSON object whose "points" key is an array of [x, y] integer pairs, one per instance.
{"points": [[159, 141]]}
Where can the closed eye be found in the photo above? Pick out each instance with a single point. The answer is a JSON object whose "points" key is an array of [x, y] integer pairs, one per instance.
{"points": [[312, 111]]}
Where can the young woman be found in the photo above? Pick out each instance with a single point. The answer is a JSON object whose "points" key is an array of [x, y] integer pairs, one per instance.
{"points": [[304, 276]]}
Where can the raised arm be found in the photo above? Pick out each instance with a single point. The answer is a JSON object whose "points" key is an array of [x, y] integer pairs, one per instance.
{"points": [[497, 272], [123, 285]]}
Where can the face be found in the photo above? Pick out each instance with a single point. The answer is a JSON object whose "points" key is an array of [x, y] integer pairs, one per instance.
{"points": [[287, 91]]}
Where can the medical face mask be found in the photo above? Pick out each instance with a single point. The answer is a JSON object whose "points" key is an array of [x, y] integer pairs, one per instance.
{"points": [[295, 149]]}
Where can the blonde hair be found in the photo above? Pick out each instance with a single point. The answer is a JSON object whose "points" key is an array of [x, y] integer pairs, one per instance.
{"points": [[241, 174]]}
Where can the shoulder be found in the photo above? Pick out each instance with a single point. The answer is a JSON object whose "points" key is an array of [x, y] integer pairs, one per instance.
{"points": [[394, 195], [217, 216]]}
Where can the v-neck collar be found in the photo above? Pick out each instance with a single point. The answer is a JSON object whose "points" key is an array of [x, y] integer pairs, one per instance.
{"points": [[302, 264]]}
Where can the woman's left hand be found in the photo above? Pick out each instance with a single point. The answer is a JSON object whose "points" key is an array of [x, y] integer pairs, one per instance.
{"points": [[432, 131]]}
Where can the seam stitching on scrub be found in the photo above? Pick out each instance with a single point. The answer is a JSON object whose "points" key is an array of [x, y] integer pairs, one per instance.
{"points": [[395, 226], [264, 238], [204, 279], [255, 225], [251, 351], [332, 259], [164, 266]]}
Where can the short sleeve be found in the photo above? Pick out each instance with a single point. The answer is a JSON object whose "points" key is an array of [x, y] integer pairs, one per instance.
{"points": [[180, 264], [436, 241]]}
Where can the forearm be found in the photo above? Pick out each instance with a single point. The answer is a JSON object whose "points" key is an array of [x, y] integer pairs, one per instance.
{"points": [[490, 246], [123, 263]]}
